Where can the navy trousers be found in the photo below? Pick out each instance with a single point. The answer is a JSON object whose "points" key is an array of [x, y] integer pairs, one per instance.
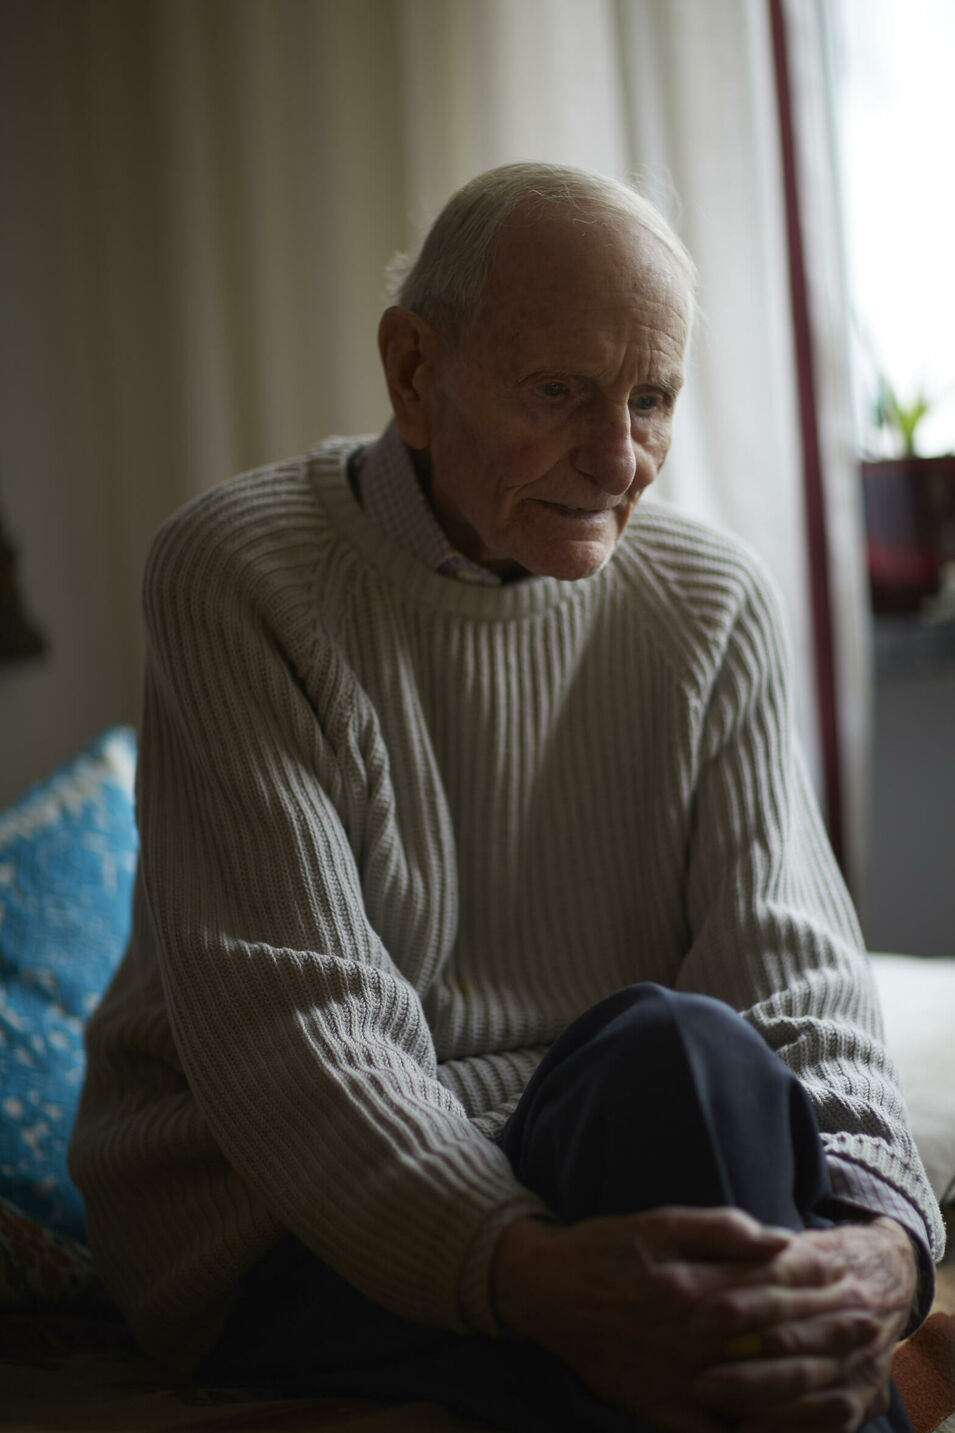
{"points": [[649, 1098]]}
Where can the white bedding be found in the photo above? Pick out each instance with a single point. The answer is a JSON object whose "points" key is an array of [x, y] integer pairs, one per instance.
{"points": [[918, 1002]]}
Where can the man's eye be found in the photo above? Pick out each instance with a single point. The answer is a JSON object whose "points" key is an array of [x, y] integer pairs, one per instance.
{"points": [[553, 388], [645, 402]]}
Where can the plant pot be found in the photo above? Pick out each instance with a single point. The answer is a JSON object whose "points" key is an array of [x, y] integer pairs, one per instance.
{"points": [[910, 528]]}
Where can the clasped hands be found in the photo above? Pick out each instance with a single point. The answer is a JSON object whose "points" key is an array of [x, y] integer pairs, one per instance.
{"points": [[696, 1318]]}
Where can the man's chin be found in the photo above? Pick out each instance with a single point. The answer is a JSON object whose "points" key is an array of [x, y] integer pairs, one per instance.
{"points": [[547, 549], [570, 561], [555, 545], [577, 569]]}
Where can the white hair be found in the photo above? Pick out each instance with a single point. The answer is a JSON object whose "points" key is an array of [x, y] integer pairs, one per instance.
{"points": [[444, 282]]}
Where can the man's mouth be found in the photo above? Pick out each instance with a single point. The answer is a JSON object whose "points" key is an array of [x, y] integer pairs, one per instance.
{"points": [[565, 510]]}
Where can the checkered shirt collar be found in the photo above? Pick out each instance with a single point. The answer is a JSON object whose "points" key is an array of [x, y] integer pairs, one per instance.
{"points": [[392, 497]]}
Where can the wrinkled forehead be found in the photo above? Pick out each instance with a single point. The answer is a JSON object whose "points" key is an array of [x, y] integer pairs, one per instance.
{"points": [[535, 257], [548, 272]]}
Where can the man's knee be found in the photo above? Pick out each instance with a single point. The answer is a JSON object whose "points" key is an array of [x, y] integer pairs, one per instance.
{"points": [[647, 1031], [658, 1096]]}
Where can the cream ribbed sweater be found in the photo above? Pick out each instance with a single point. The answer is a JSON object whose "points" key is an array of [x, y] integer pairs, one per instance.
{"points": [[397, 832]]}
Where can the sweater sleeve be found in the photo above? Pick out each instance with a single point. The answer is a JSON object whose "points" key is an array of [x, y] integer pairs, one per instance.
{"points": [[305, 1048], [773, 929]]}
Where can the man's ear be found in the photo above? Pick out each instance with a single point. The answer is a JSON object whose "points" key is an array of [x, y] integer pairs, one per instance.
{"points": [[406, 343]]}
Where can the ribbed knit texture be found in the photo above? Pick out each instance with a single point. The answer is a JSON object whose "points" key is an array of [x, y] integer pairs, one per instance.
{"points": [[397, 832]]}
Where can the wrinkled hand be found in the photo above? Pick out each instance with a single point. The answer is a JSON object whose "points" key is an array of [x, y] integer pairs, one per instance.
{"points": [[828, 1367], [615, 1298], [692, 1317]]}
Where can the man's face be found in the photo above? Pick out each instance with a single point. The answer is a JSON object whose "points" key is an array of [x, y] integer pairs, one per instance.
{"points": [[553, 411]]}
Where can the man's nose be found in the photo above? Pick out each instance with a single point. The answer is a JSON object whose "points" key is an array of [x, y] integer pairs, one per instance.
{"points": [[605, 452]]}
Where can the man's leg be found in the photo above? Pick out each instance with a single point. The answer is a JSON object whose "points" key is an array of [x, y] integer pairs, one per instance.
{"points": [[649, 1098], [654, 1097]]}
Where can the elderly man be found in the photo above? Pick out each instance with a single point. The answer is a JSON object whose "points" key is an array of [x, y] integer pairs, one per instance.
{"points": [[495, 1024]]}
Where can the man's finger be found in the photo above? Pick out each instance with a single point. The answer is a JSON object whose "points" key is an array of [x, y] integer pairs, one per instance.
{"points": [[678, 1231], [839, 1333], [742, 1389], [751, 1308], [836, 1410], [805, 1262]]}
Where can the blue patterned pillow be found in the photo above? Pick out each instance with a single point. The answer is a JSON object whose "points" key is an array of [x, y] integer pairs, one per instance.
{"points": [[67, 858]]}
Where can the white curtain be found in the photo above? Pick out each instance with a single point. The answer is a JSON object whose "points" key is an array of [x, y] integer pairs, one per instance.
{"points": [[204, 197]]}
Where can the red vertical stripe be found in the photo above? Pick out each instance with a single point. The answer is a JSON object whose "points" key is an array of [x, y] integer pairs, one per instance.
{"points": [[813, 496]]}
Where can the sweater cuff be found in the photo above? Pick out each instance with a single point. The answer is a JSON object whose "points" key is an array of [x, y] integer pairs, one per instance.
{"points": [[858, 1194], [474, 1293]]}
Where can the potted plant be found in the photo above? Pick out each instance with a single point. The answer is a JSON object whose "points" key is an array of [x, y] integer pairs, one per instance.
{"points": [[909, 505]]}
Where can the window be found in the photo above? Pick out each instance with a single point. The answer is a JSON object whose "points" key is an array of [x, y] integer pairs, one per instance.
{"points": [[895, 64]]}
